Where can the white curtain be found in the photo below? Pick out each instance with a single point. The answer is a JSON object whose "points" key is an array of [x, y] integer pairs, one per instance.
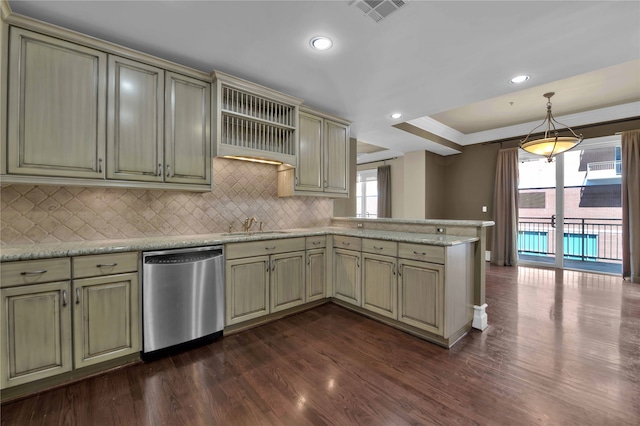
{"points": [[631, 205], [504, 247]]}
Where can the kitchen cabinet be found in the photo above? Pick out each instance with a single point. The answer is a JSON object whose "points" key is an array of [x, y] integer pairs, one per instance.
{"points": [[81, 111], [247, 289], [63, 314], [263, 277], [421, 294], [106, 317], [57, 107], [254, 121], [287, 280], [135, 121], [346, 269], [379, 277], [316, 280], [36, 320], [187, 148], [323, 157]]}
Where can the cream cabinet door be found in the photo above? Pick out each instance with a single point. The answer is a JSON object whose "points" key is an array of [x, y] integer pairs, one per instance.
{"points": [[106, 318], [336, 161], [57, 107], [421, 295], [316, 274], [308, 174], [135, 121], [380, 285], [287, 280], [346, 276], [36, 332], [187, 153], [247, 288]]}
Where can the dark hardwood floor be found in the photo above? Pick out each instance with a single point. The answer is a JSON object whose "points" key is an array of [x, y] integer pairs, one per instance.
{"points": [[563, 348]]}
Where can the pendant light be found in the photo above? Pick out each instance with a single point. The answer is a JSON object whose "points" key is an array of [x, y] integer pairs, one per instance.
{"points": [[551, 144]]}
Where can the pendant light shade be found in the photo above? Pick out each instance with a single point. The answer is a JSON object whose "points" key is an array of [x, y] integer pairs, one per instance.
{"points": [[551, 144]]}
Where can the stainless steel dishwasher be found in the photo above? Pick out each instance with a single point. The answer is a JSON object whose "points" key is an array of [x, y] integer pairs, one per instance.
{"points": [[182, 298]]}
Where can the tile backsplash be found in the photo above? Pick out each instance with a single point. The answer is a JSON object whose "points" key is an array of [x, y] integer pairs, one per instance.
{"points": [[43, 214]]}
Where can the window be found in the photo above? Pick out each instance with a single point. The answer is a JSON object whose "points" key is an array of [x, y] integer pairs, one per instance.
{"points": [[367, 193]]}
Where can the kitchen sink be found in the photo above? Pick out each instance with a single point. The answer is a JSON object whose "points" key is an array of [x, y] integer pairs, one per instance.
{"points": [[235, 234]]}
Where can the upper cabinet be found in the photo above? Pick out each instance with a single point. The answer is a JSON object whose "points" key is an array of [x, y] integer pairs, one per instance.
{"points": [[57, 101], [323, 158], [136, 116], [187, 149], [254, 121], [86, 112]]}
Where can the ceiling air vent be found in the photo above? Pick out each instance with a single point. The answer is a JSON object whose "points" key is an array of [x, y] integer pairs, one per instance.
{"points": [[378, 9]]}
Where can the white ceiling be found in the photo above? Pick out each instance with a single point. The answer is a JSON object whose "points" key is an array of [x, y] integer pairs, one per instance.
{"points": [[424, 60]]}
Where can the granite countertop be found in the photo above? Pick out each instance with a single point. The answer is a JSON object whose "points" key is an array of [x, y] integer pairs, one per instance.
{"points": [[42, 251]]}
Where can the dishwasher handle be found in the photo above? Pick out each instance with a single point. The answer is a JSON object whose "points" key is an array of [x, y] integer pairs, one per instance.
{"points": [[182, 257]]}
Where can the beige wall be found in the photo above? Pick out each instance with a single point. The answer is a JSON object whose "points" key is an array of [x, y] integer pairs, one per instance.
{"points": [[41, 214], [415, 185], [435, 177]]}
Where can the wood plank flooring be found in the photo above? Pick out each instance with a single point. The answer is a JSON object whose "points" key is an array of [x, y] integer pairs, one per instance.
{"points": [[563, 348]]}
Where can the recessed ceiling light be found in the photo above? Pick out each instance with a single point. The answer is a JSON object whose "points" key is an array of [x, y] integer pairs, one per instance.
{"points": [[396, 115], [321, 43], [519, 79]]}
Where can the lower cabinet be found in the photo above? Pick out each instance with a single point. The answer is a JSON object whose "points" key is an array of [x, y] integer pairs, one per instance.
{"points": [[346, 275], [36, 332], [49, 328], [105, 318], [257, 285], [380, 284], [421, 295], [316, 275], [247, 288]]}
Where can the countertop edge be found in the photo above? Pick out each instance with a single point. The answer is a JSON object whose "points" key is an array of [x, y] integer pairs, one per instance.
{"points": [[445, 222]]}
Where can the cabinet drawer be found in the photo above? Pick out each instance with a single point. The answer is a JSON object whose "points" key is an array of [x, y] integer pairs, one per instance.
{"points": [[104, 264], [349, 243], [34, 271], [316, 242], [387, 248], [260, 248], [421, 252]]}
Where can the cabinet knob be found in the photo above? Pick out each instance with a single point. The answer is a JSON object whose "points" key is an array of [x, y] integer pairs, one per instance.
{"points": [[77, 295]]}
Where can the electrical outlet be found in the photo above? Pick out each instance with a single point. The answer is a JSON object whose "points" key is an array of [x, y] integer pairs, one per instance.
{"points": [[484, 209], [440, 230], [360, 226]]}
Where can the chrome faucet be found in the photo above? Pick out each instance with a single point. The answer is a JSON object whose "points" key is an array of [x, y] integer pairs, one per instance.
{"points": [[248, 223]]}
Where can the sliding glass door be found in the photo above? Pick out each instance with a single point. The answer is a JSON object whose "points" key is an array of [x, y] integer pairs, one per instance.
{"points": [[570, 209]]}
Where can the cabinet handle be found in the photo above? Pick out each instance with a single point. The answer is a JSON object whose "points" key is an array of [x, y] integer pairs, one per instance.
{"points": [[400, 270], [99, 165], [394, 269], [64, 297], [296, 180], [168, 170], [358, 262], [267, 265], [273, 265], [40, 272], [159, 169], [419, 254], [270, 248], [325, 183], [77, 295], [315, 243], [309, 259], [346, 243], [378, 248], [106, 265]]}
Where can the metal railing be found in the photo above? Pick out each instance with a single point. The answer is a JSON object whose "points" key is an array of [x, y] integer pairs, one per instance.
{"points": [[605, 165], [586, 239]]}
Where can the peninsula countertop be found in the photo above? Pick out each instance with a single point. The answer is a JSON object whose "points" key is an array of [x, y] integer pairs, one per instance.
{"points": [[18, 252]]}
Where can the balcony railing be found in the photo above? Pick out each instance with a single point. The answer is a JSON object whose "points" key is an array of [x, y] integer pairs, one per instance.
{"points": [[586, 239], [600, 166]]}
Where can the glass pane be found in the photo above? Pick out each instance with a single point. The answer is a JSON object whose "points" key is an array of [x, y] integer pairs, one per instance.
{"points": [[593, 209], [372, 188], [537, 210], [372, 207]]}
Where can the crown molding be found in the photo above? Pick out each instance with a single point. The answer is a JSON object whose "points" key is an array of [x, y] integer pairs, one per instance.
{"points": [[5, 9]]}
